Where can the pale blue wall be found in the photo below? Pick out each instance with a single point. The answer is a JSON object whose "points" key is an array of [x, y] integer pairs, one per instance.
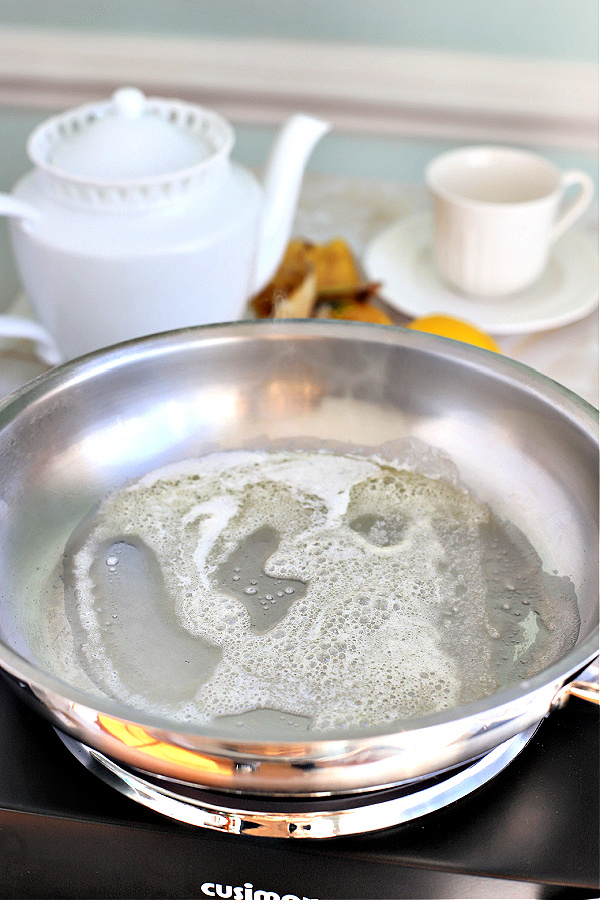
{"points": [[529, 29], [564, 29], [547, 29]]}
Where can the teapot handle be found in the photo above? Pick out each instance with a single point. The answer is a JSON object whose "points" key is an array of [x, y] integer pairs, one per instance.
{"points": [[19, 327]]}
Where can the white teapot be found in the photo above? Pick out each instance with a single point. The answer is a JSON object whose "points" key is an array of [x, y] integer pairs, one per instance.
{"points": [[135, 220]]}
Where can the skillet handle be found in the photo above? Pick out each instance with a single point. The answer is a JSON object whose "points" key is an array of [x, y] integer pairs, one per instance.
{"points": [[586, 687]]}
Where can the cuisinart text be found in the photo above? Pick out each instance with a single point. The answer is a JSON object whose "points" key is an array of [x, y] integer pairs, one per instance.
{"points": [[247, 892]]}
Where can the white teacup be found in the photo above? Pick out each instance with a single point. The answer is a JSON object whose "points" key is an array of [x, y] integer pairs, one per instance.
{"points": [[496, 214]]}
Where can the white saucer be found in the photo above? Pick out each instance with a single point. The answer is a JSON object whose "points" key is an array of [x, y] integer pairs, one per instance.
{"points": [[401, 258]]}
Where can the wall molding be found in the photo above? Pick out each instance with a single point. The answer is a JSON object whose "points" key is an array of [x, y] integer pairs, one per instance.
{"points": [[361, 89]]}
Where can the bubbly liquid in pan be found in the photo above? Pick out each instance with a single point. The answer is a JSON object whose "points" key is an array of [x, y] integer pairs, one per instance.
{"points": [[275, 592]]}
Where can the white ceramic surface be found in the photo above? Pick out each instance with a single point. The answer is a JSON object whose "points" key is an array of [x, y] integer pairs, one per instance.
{"points": [[122, 229], [401, 257], [497, 211]]}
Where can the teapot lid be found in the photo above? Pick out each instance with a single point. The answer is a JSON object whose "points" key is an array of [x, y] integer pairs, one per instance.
{"points": [[129, 141]]}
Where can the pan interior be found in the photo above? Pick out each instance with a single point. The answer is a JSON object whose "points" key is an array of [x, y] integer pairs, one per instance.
{"points": [[303, 591], [295, 404]]}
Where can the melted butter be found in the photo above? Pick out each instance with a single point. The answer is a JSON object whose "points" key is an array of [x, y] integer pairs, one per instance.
{"points": [[324, 590]]}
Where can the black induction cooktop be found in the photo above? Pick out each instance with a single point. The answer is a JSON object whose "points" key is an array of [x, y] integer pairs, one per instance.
{"points": [[533, 831]]}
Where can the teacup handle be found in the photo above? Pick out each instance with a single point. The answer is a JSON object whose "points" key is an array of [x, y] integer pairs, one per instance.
{"points": [[16, 326], [573, 178]]}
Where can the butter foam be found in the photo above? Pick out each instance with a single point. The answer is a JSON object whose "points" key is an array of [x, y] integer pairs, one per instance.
{"points": [[394, 618]]}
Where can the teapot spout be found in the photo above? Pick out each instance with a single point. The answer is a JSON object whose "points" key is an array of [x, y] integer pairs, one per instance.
{"points": [[282, 182]]}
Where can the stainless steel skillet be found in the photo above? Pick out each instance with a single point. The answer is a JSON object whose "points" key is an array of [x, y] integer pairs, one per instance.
{"points": [[520, 442]]}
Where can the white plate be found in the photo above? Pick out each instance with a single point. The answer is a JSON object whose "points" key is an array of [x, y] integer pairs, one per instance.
{"points": [[401, 258]]}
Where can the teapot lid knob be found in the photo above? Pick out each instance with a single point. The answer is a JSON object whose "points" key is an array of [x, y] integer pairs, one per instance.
{"points": [[129, 102]]}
